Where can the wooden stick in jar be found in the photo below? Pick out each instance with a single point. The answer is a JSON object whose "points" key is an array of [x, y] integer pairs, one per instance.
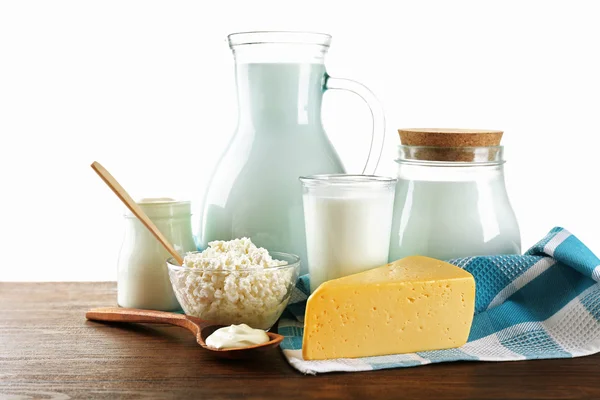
{"points": [[135, 209]]}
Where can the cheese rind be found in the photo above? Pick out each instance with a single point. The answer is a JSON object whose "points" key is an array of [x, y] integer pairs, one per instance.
{"points": [[414, 304]]}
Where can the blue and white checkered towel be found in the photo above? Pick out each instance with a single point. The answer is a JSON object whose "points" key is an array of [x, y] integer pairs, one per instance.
{"points": [[544, 304]]}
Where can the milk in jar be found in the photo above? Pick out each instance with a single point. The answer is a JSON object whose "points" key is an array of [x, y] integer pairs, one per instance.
{"points": [[143, 279], [451, 200]]}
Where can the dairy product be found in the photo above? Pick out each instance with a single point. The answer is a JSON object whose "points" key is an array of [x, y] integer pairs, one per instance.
{"points": [[414, 304], [236, 336], [456, 219], [451, 202], [347, 229], [234, 282], [346, 235], [237, 254], [254, 191], [143, 280]]}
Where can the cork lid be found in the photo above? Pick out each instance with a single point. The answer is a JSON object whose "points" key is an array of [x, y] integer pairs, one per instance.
{"points": [[450, 137], [441, 144]]}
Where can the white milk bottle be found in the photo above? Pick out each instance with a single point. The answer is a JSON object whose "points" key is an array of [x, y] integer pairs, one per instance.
{"points": [[143, 279]]}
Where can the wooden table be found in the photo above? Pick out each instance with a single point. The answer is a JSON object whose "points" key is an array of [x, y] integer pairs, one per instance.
{"points": [[49, 350]]}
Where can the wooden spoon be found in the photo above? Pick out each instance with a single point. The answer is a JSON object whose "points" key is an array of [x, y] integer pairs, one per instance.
{"points": [[135, 209], [201, 328]]}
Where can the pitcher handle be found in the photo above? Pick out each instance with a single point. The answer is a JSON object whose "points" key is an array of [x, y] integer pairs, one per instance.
{"points": [[378, 127]]}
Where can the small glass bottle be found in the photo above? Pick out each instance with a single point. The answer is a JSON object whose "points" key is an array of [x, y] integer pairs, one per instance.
{"points": [[143, 279]]}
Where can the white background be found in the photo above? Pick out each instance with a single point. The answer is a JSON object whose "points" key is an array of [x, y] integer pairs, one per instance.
{"points": [[147, 88]]}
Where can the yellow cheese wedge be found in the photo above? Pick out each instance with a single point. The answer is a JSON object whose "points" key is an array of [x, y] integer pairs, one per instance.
{"points": [[414, 304]]}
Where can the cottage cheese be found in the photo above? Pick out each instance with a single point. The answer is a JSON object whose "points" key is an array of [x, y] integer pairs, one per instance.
{"points": [[233, 282]]}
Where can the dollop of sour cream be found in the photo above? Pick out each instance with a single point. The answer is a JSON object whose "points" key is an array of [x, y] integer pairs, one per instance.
{"points": [[233, 336]]}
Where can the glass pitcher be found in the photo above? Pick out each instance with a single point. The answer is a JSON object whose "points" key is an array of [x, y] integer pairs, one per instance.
{"points": [[254, 191]]}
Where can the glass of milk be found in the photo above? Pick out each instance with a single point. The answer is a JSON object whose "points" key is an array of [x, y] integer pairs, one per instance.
{"points": [[348, 220]]}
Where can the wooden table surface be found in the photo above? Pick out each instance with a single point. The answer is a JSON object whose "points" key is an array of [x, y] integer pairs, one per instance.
{"points": [[49, 350]]}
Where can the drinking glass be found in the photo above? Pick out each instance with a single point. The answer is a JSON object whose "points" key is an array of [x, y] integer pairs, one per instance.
{"points": [[348, 220]]}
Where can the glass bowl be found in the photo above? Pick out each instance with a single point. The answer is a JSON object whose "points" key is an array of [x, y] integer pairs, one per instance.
{"points": [[252, 296]]}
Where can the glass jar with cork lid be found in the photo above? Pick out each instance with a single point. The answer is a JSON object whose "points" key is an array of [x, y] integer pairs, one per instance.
{"points": [[451, 199]]}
